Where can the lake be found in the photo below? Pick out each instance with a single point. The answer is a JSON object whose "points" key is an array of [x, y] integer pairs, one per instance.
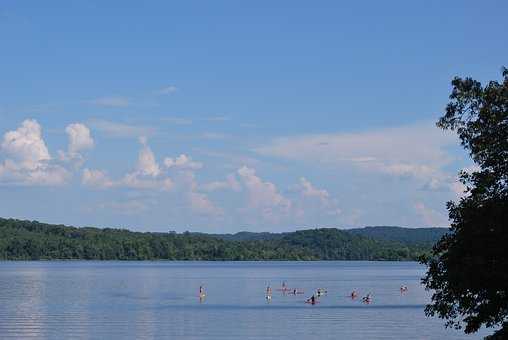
{"points": [[145, 300]]}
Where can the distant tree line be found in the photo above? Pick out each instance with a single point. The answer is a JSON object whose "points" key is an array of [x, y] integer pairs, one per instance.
{"points": [[32, 240]]}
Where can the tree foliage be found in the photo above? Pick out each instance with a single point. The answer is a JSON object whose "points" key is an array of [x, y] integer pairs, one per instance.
{"points": [[31, 240], [425, 237], [468, 269]]}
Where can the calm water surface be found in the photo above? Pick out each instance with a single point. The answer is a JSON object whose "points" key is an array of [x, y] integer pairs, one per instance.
{"points": [[144, 300]]}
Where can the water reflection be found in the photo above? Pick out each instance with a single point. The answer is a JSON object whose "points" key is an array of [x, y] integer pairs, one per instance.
{"points": [[118, 300]]}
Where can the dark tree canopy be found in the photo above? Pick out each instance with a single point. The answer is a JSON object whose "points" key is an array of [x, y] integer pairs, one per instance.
{"points": [[468, 269], [31, 240]]}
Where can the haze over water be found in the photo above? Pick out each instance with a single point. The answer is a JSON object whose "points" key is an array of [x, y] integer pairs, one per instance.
{"points": [[144, 300]]}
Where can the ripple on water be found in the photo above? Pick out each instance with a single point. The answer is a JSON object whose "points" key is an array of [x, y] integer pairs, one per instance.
{"points": [[117, 300]]}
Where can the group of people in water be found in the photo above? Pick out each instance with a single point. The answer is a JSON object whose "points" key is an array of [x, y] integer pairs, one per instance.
{"points": [[313, 299]]}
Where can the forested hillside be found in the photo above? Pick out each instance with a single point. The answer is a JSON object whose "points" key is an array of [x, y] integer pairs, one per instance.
{"points": [[412, 236], [31, 240]]}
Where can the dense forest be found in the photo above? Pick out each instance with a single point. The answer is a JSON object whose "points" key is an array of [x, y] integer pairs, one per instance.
{"points": [[32, 240], [425, 237]]}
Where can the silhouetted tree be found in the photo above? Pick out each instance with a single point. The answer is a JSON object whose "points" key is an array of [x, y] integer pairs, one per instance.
{"points": [[468, 269]]}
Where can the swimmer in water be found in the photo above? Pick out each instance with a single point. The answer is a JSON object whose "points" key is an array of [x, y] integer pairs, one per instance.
{"points": [[354, 294], [201, 292], [367, 298], [321, 291], [268, 292]]}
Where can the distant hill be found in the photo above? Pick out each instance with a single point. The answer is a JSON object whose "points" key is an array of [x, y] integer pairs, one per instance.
{"points": [[248, 236], [410, 236], [32, 240]]}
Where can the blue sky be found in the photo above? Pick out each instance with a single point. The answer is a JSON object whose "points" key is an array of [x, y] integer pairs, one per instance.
{"points": [[223, 116]]}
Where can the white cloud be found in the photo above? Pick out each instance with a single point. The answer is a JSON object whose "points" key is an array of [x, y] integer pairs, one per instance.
{"points": [[231, 183], [314, 201], [121, 130], [28, 159], [263, 197], [182, 162], [430, 217], [458, 188], [96, 178], [111, 101], [416, 144], [198, 201], [147, 165], [148, 175], [136, 181], [79, 138], [167, 90], [26, 146], [309, 190], [416, 151]]}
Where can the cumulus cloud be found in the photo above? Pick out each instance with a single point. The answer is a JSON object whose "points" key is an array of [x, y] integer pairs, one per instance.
{"points": [[263, 196], [182, 162], [96, 178], [147, 165], [148, 174], [309, 190], [198, 201], [28, 160], [314, 201], [79, 138], [136, 181], [26, 146], [201, 204], [231, 183]]}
